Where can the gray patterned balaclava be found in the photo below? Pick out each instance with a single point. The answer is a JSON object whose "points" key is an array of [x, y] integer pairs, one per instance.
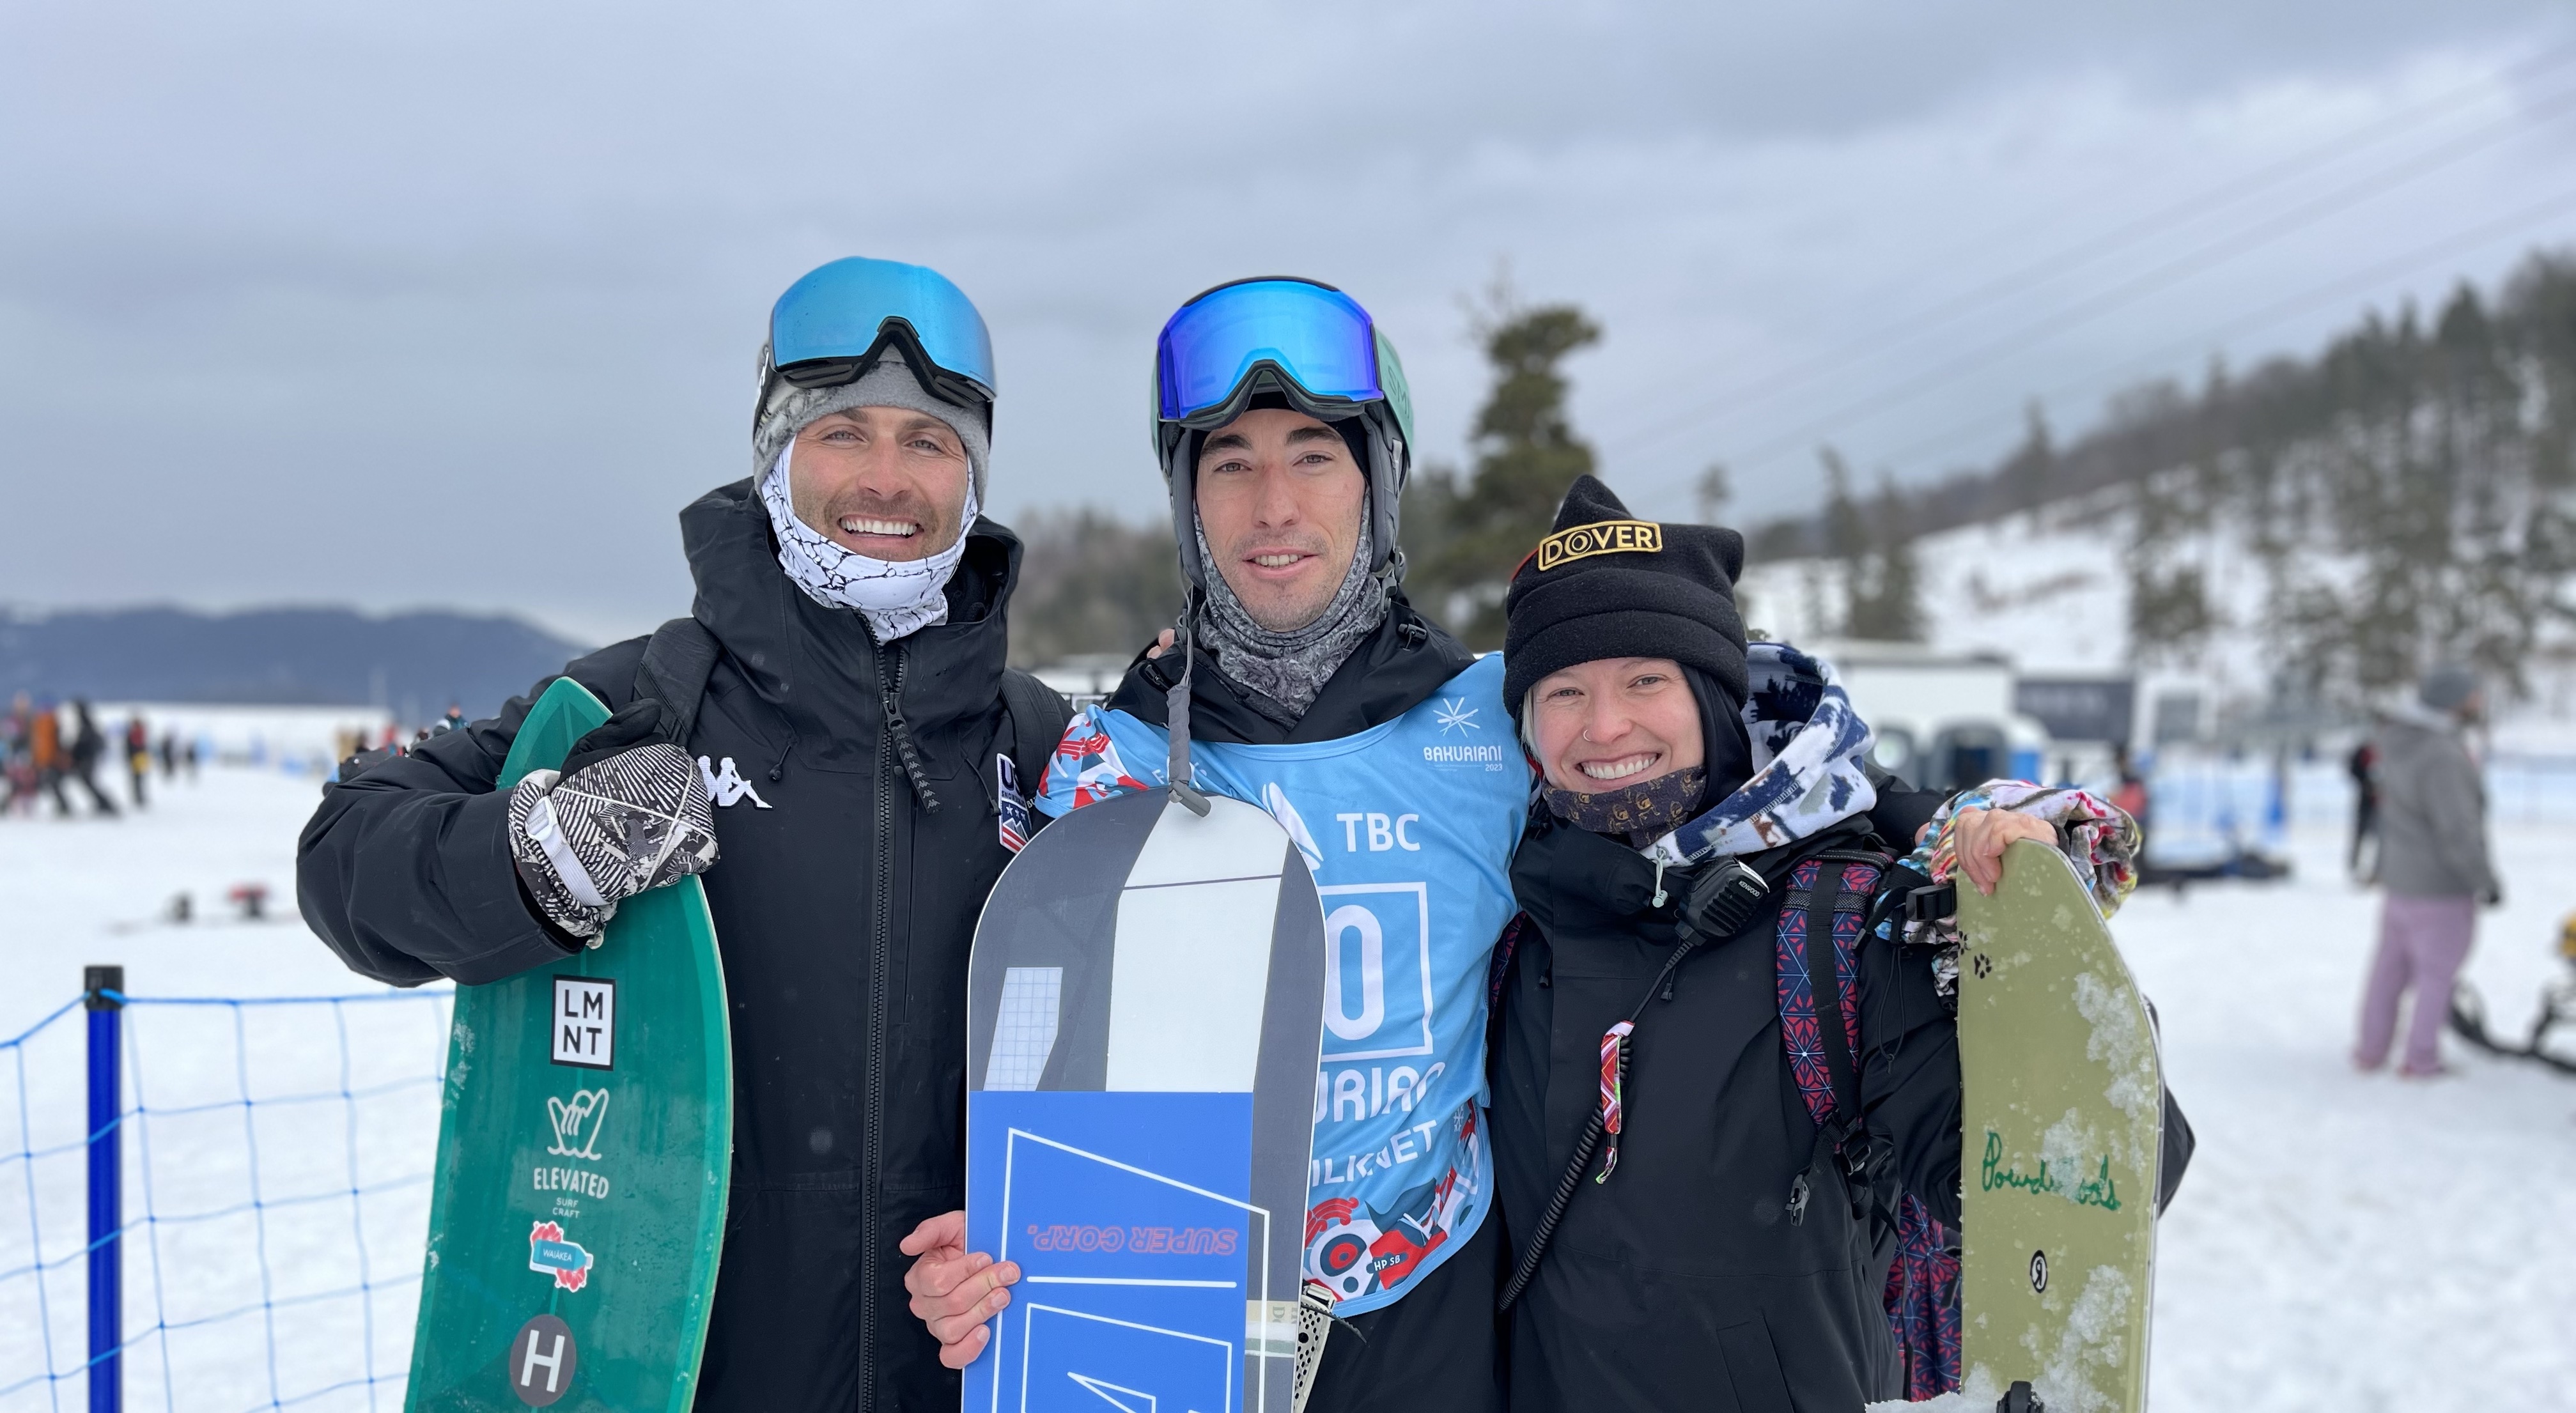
{"points": [[1285, 672]]}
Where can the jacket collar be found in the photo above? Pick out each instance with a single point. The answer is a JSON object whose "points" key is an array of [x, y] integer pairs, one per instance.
{"points": [[1810, 763], [819, 665], [1396, 668]]}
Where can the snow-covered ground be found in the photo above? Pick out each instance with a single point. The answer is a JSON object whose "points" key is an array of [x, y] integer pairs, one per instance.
{"points": [[2353, 1242], [2343, 1242], [274, 1289]]}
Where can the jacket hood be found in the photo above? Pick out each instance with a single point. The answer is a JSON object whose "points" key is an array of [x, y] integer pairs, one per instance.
{"points": [[1810, 763]]}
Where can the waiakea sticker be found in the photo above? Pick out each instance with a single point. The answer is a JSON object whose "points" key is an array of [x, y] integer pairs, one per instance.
{"points": [[549, 1253]]}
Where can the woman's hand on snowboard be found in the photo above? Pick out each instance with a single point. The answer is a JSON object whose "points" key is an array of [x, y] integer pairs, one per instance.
{"points": [[954, 1290], [1980, 837]]}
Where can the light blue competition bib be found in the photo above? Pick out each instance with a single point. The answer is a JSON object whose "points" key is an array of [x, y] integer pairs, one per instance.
{"points": [[1409, 827]]}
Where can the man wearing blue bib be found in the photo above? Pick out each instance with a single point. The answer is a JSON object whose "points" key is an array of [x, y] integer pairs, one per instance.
{"points": [[1316, 692]]}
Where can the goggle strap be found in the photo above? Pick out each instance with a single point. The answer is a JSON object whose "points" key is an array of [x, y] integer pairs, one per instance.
{"points": [[896, 338], [1176, 717]]}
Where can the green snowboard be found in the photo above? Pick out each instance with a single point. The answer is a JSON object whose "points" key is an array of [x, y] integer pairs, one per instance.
{"points": [[584, 1146], [2061, 1125]]}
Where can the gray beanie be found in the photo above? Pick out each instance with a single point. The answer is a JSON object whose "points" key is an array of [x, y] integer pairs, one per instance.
{"points": [[2447, 687], [890, 383]]}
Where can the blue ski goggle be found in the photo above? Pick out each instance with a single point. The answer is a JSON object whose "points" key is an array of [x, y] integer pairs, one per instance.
{"points": [[1311, 333], [833, 325]]}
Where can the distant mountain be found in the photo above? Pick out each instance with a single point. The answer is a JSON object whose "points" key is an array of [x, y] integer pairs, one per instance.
{"points": [[413, 663]]}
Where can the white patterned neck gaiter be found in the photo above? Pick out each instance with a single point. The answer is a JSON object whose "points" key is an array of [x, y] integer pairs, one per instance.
{"points": [[896, 597]]}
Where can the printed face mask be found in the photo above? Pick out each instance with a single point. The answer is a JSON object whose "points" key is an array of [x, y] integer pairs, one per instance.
{"points": [[896, 597], [1631, 811]]}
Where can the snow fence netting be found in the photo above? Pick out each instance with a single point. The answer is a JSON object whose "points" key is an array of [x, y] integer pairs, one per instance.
{"points": [[270, 1159]]}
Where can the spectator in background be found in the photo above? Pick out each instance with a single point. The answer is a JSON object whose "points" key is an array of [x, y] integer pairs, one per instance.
{"points": [[2433, 861], [2365, 805], [86, 747], [138, 754], [2131, 794], [17, 755], [45, 751]]}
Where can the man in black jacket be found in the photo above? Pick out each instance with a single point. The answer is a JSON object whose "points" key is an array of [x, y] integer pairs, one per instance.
{"points": [[843, 759]]}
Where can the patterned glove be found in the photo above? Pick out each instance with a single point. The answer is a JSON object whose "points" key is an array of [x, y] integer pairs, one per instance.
{"points": [[616, 824], [2096, 836]]}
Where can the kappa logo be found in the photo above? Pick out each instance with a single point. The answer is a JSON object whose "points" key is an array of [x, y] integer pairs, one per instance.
{"points": [[550, 1254], [1454, 714], [577, 1122], [1606, 537], [726, 786]]}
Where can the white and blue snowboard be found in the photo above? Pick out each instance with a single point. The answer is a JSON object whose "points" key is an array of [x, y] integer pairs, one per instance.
{"points": [[1140, 1073]]}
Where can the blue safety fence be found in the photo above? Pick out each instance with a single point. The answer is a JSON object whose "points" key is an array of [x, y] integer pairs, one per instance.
{"points": [[225, 1198], [2208, 807]]}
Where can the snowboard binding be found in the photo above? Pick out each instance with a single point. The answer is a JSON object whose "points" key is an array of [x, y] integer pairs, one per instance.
{"points": [[2557, 1009], [2020, 1399]]}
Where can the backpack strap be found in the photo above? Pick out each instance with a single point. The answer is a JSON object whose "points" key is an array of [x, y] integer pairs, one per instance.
{"points": [[1034, 718], [678, 660], [1822, 890]]}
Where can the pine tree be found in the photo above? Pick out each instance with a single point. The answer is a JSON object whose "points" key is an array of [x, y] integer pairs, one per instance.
{"points": [[1527, 454], [2025, 473], [1713, 490]]}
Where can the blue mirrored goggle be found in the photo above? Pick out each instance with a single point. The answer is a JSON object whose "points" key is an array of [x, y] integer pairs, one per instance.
{"points": [[828, 328], [1313, 333]]}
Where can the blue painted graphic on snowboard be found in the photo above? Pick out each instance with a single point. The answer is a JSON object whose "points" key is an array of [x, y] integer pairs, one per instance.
{"points": [[1140, 1086]]}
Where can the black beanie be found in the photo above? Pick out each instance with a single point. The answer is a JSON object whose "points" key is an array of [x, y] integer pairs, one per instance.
{"points": [[1606, 585]]}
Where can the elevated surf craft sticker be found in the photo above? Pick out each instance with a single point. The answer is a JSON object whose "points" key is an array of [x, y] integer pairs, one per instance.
{"points": [[584, 1145], [1141, 1052]]}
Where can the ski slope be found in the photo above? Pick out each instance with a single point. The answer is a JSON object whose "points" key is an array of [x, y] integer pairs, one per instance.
{"points": [[2342, 1241]]}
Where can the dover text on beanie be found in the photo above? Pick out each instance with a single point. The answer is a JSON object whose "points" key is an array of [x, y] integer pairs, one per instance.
{"points": [[1608, 585]]}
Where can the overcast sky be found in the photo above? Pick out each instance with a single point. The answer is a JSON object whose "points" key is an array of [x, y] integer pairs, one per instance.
{"points": [[458, 304]]}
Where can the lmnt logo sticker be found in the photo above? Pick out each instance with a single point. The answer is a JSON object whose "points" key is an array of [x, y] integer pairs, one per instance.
{"points": [[1607, 537], [585, 1022]]}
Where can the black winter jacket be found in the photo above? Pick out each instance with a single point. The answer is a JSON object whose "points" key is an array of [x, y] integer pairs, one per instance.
{"points": [[844, 910], [1681, 1282]]}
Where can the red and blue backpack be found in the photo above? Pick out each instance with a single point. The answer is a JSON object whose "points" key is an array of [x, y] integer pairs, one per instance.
{"points": [[1922, 1295]]}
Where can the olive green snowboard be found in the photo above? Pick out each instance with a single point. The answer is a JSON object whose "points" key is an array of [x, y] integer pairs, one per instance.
{"points": [[584, 1145], [2061, 1125]]}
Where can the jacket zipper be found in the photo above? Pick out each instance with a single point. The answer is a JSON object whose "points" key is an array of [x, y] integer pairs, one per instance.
{"points": [[880, 943]]}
